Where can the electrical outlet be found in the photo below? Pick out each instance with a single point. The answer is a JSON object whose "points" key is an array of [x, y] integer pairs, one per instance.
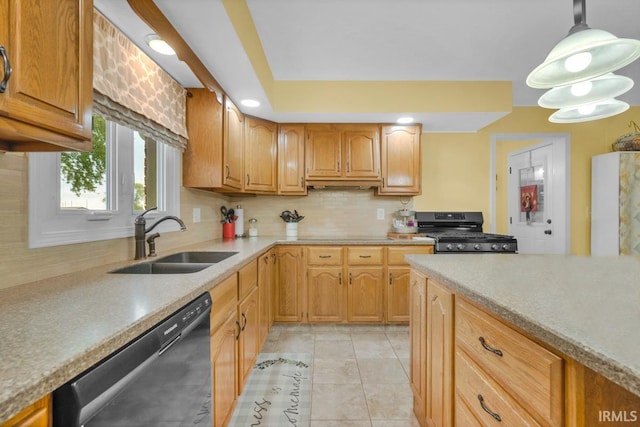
{"points": [[196, 215], [381, 213]]}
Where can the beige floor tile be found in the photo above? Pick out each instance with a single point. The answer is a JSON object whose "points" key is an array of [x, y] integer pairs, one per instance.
{"points": [[342, 423], [400, 343], [338, 402], [368, 336], [292, 342], [373, 349], [389, 401], [333, 336], [335, 371], [334, 350], [382, 371], [397, 328], [413, 422], [269, 346], [405, 364]]}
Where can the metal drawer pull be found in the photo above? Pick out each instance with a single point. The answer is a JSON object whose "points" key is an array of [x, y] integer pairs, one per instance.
{"points": [[7, 70], [487, 410], [324, 256], [364, 256], [488, 348]]}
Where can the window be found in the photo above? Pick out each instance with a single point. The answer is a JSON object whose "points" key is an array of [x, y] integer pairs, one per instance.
{"points": [[82, 197]]}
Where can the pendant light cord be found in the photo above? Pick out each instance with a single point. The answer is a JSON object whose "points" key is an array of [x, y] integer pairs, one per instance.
{"points": [[579, 16]]}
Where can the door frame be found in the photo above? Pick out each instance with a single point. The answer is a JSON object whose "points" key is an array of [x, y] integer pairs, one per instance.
{"points": [[560, 141]]}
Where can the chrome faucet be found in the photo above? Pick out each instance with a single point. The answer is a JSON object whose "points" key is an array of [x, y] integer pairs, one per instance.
{"points": [[140, 231]]}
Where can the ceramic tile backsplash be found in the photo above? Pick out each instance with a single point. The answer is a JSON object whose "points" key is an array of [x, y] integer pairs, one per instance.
{"points": [[327, 214]]}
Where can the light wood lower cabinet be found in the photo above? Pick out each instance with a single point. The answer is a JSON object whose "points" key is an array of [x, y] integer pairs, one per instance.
{"points": [[224, 368], [418, 344], [397, 289], [36, 415], [265, 286], [249, 338], [439, 372], [364, 294], [289, 288]]}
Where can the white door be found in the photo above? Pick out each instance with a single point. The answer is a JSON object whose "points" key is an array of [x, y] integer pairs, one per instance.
{"points": [[538, 214]]}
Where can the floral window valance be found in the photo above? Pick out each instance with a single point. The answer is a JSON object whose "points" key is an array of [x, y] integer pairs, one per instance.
{"points": [[128, 87]]}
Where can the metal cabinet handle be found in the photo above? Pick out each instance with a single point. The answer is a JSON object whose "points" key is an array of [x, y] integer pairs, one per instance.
{"points": [[239, 330], [302, 181], [340, 278], [489, 348], [364, 256], [487, 410], [244, 325], [338, 166], [348, 169], [7, 70], [228, 171], [324, 256], [350, 279], [248, 180], [391, 278]]}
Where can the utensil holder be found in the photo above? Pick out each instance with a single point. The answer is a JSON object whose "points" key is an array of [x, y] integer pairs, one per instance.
{"points": [[229, 230], [291, 229]]}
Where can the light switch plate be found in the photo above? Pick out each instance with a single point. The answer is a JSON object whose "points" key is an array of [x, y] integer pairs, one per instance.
{"points": [[381, 213], [196, 215]]}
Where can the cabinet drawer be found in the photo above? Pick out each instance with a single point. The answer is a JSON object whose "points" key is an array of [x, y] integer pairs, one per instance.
{"points": [[395, 254], [325, 255], [485, 399], [530, 373], [247, 279], [224, 300], [365, 255]]}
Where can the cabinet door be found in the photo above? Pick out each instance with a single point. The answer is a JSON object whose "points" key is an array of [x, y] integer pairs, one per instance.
{"points": [[398, 294], [439, 374], [323, 153], [49, 95], [224, 362], [37, 414], [265, 268], [325, 294], [260, 155], [291, 160], [202, 165], [418, 343], [362, 154], [289, 285], [233, 143], [400, 160], [249, 341], [365, 293]]}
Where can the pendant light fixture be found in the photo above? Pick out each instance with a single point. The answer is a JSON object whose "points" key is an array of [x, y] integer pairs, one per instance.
{"points": [[584, 54], [579, 71]]}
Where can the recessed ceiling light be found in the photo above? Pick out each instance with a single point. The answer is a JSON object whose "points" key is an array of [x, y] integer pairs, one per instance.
{"points": [[405, 120], [250, 103], [156, 43]]}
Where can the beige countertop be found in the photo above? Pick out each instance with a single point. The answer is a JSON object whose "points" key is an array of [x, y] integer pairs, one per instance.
{"points": [[586, 307], [54, 329]]}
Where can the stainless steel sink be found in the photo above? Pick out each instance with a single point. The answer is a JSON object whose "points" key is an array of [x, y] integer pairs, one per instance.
{"points": [[161, 268], [196, 257], [178, 263]]}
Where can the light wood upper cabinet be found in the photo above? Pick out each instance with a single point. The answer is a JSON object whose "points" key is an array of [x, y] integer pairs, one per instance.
{"points": [[260, 155], [291, 160], [400, 160], [47, 102], [337, 152], [233, 146]]}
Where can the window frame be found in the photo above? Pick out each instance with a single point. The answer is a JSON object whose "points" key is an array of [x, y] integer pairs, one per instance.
{"points": [[50, 225]]}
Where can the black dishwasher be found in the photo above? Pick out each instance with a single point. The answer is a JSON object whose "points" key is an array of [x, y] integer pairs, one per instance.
{"points": [[162, 378]]}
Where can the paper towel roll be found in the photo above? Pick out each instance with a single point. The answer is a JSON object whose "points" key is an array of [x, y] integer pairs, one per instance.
{"points": [[239, 212]]}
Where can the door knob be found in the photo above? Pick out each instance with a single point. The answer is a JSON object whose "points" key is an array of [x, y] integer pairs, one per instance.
{"points": [[549, 221], [547, 231]]}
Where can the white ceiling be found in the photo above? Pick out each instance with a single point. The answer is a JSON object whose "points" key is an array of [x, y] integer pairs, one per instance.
{"points": [[381, 40]]}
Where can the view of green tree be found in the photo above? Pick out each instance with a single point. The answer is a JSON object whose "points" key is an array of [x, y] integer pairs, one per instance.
{"points": [[85, 171], [139, 198]]}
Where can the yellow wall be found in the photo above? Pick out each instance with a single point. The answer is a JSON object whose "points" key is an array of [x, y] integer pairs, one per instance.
{"points": [[456, 166]]}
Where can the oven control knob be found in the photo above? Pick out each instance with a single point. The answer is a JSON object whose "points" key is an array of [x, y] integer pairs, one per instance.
{"points": [[477, 246], [494, 247], [460, 246], [449, 247], [506, 246]]}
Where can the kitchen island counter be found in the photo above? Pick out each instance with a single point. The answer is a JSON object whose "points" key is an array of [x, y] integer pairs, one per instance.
{"points": [[585, 307], [54, 329]]}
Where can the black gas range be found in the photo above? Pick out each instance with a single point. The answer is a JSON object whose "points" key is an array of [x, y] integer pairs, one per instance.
{"points": [[461, 232]]}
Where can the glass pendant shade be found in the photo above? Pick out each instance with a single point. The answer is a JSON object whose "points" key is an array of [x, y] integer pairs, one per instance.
{"points": [[586, 92], [583, 55], [587, 112]]}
